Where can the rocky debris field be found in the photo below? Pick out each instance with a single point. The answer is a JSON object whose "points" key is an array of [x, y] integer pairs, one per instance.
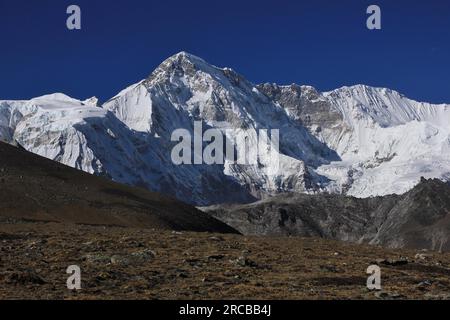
{"points": [[127, 263]]}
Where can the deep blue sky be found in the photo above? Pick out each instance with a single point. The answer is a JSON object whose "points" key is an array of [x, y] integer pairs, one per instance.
{"points": [[322, 43]]}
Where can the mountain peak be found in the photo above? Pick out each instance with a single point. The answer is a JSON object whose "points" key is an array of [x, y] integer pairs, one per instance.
{"points": [[181, 63], [58, 96], [185, 55], [183, 58], [362, 89]]}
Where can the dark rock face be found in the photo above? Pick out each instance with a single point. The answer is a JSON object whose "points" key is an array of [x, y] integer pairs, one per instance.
{"points": [[418, 219], [308, 106]]}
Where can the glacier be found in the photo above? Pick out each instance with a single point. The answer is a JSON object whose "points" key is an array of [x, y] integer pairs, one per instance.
{"points": [[360, 140]]}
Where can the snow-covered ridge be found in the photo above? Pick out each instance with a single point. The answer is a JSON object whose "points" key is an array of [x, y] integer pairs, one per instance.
{"points": [[358, 140], [386, 107]]}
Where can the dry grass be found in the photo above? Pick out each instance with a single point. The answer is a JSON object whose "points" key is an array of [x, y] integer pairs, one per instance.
{"points": [[34, 257]]}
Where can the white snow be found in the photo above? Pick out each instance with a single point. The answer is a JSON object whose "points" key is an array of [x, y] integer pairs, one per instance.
{"points": [[392, 141], [385, 142]]}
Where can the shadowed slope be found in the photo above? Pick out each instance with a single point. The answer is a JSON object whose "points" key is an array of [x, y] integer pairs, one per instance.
{"points": [[32, 187], [419, 219]]}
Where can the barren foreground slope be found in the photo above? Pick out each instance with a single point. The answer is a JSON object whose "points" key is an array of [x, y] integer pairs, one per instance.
{"points": [[146, 264], [35, 188]]}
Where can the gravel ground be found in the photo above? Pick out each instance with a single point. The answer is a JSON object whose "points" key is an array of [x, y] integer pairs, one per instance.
{"points": [[127, 263]]}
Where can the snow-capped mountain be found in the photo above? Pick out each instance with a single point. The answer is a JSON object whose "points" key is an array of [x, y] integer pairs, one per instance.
{"points": [[94, 140], [357, 140], [385, 141], [394, 140], [184, 89]]}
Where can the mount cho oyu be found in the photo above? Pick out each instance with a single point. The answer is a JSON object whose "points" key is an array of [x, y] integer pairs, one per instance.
{"points": [[359, 140]]}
